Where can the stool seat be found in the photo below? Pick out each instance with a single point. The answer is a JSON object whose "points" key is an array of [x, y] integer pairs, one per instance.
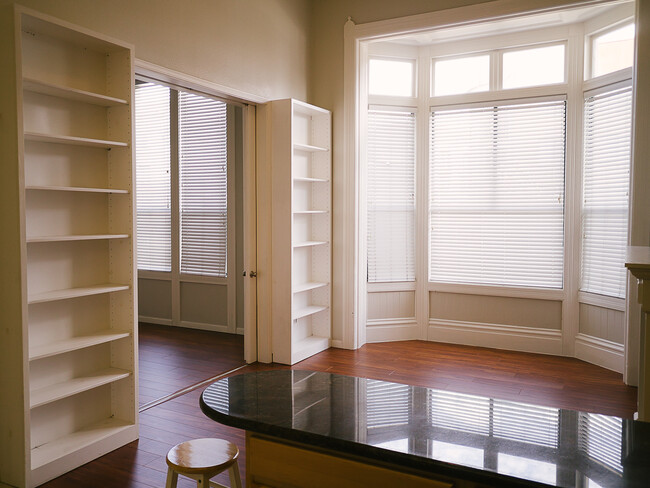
{"points": [[201, 459]]}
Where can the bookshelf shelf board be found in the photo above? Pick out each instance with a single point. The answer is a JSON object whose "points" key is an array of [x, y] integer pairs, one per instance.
{"points": [[75, 343], [58, 391], [75, 94], [51, 296], [73, 140]]}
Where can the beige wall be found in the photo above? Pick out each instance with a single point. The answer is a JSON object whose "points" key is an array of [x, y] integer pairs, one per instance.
{"points": [[256, 46]]}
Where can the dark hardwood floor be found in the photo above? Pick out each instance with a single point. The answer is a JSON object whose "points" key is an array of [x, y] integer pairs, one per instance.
{"points": [[545, 380], [173, 358]]}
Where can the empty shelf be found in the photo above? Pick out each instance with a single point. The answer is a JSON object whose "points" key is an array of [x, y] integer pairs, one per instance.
{"points": [[75, 343], [308, 347], [307, 148], [306, 311], [308, 286], [50, 296], [73, 140], [51, 451], [82, 237], [52, 393], [61, 91], [75, 188]]}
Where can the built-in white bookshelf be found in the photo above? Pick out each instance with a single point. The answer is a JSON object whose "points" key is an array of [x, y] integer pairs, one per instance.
{"points": [[75, 177], [302, 230]]}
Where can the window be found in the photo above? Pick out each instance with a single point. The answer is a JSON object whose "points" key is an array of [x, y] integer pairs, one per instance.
{"points": [[612, 51], [606, 179], [392, 77], [533, 67], [391, 196], [496, 194], [492, 211], [153, 160], [461, 75], [201, 163]]}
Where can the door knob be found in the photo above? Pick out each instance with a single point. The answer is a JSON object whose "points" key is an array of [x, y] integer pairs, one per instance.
{"points": [[253, 274]]}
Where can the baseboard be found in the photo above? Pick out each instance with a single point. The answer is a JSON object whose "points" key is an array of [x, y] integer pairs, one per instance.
{"points": [[188, 325], [600, 352], [202, 326], [525, 339], [388, 330], [154, 320]]}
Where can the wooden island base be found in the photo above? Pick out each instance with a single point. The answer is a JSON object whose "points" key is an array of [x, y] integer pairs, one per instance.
{"points": [[271, 463]]}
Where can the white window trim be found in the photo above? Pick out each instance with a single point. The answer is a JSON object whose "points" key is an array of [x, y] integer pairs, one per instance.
{"points": [[354, 289]]}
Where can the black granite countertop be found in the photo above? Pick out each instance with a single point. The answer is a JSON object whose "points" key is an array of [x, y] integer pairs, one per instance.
{"points": [[472, 437]]}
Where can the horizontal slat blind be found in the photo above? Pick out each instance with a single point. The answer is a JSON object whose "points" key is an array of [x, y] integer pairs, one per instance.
{"points": [[153, 183], [389, 404], [203, 184], [600, 437], [460, 411], [526, 423], [497, 194], [391, 196], [606, 180]]}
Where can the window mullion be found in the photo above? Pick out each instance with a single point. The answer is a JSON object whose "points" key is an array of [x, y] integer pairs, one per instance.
{"points": [[496, 76]]}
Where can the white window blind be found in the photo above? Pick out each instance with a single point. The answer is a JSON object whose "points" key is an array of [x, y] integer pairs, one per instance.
{"points": [[600, 437], [153, 183], [496, 194], [391, 196], [389, 404], [459, 411], [526, 423], [203, 184], [606, 179]]}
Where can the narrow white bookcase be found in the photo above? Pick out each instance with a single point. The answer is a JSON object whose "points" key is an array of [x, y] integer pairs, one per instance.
{"points": [[75, 381], [301, 231]]}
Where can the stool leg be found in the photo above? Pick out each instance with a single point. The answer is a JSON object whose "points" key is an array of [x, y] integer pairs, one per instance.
{"points": [[172, 478], [235, 480], [203, 481]]}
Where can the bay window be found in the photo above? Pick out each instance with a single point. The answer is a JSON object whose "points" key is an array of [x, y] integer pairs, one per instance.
{"points": [[495, 165]]}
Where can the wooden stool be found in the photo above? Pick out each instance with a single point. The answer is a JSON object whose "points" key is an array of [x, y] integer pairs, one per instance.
{"points": [[202, 459]]}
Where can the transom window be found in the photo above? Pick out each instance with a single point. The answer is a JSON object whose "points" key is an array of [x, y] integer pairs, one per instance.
{"points": [[612, 50]]}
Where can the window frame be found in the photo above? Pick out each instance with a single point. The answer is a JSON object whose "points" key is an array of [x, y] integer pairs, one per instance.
{"points": [[494, 45], [175, 275], [459, 285]]}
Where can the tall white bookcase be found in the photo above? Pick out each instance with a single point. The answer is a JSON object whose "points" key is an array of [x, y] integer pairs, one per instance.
{"points": [[72, 393], [301, 230]]}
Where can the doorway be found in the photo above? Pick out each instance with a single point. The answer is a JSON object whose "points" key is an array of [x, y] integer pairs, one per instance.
{"points": [[194, 216]]}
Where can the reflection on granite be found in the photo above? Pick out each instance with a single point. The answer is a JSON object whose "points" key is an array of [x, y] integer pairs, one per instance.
{"points": [[497, 442]]}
